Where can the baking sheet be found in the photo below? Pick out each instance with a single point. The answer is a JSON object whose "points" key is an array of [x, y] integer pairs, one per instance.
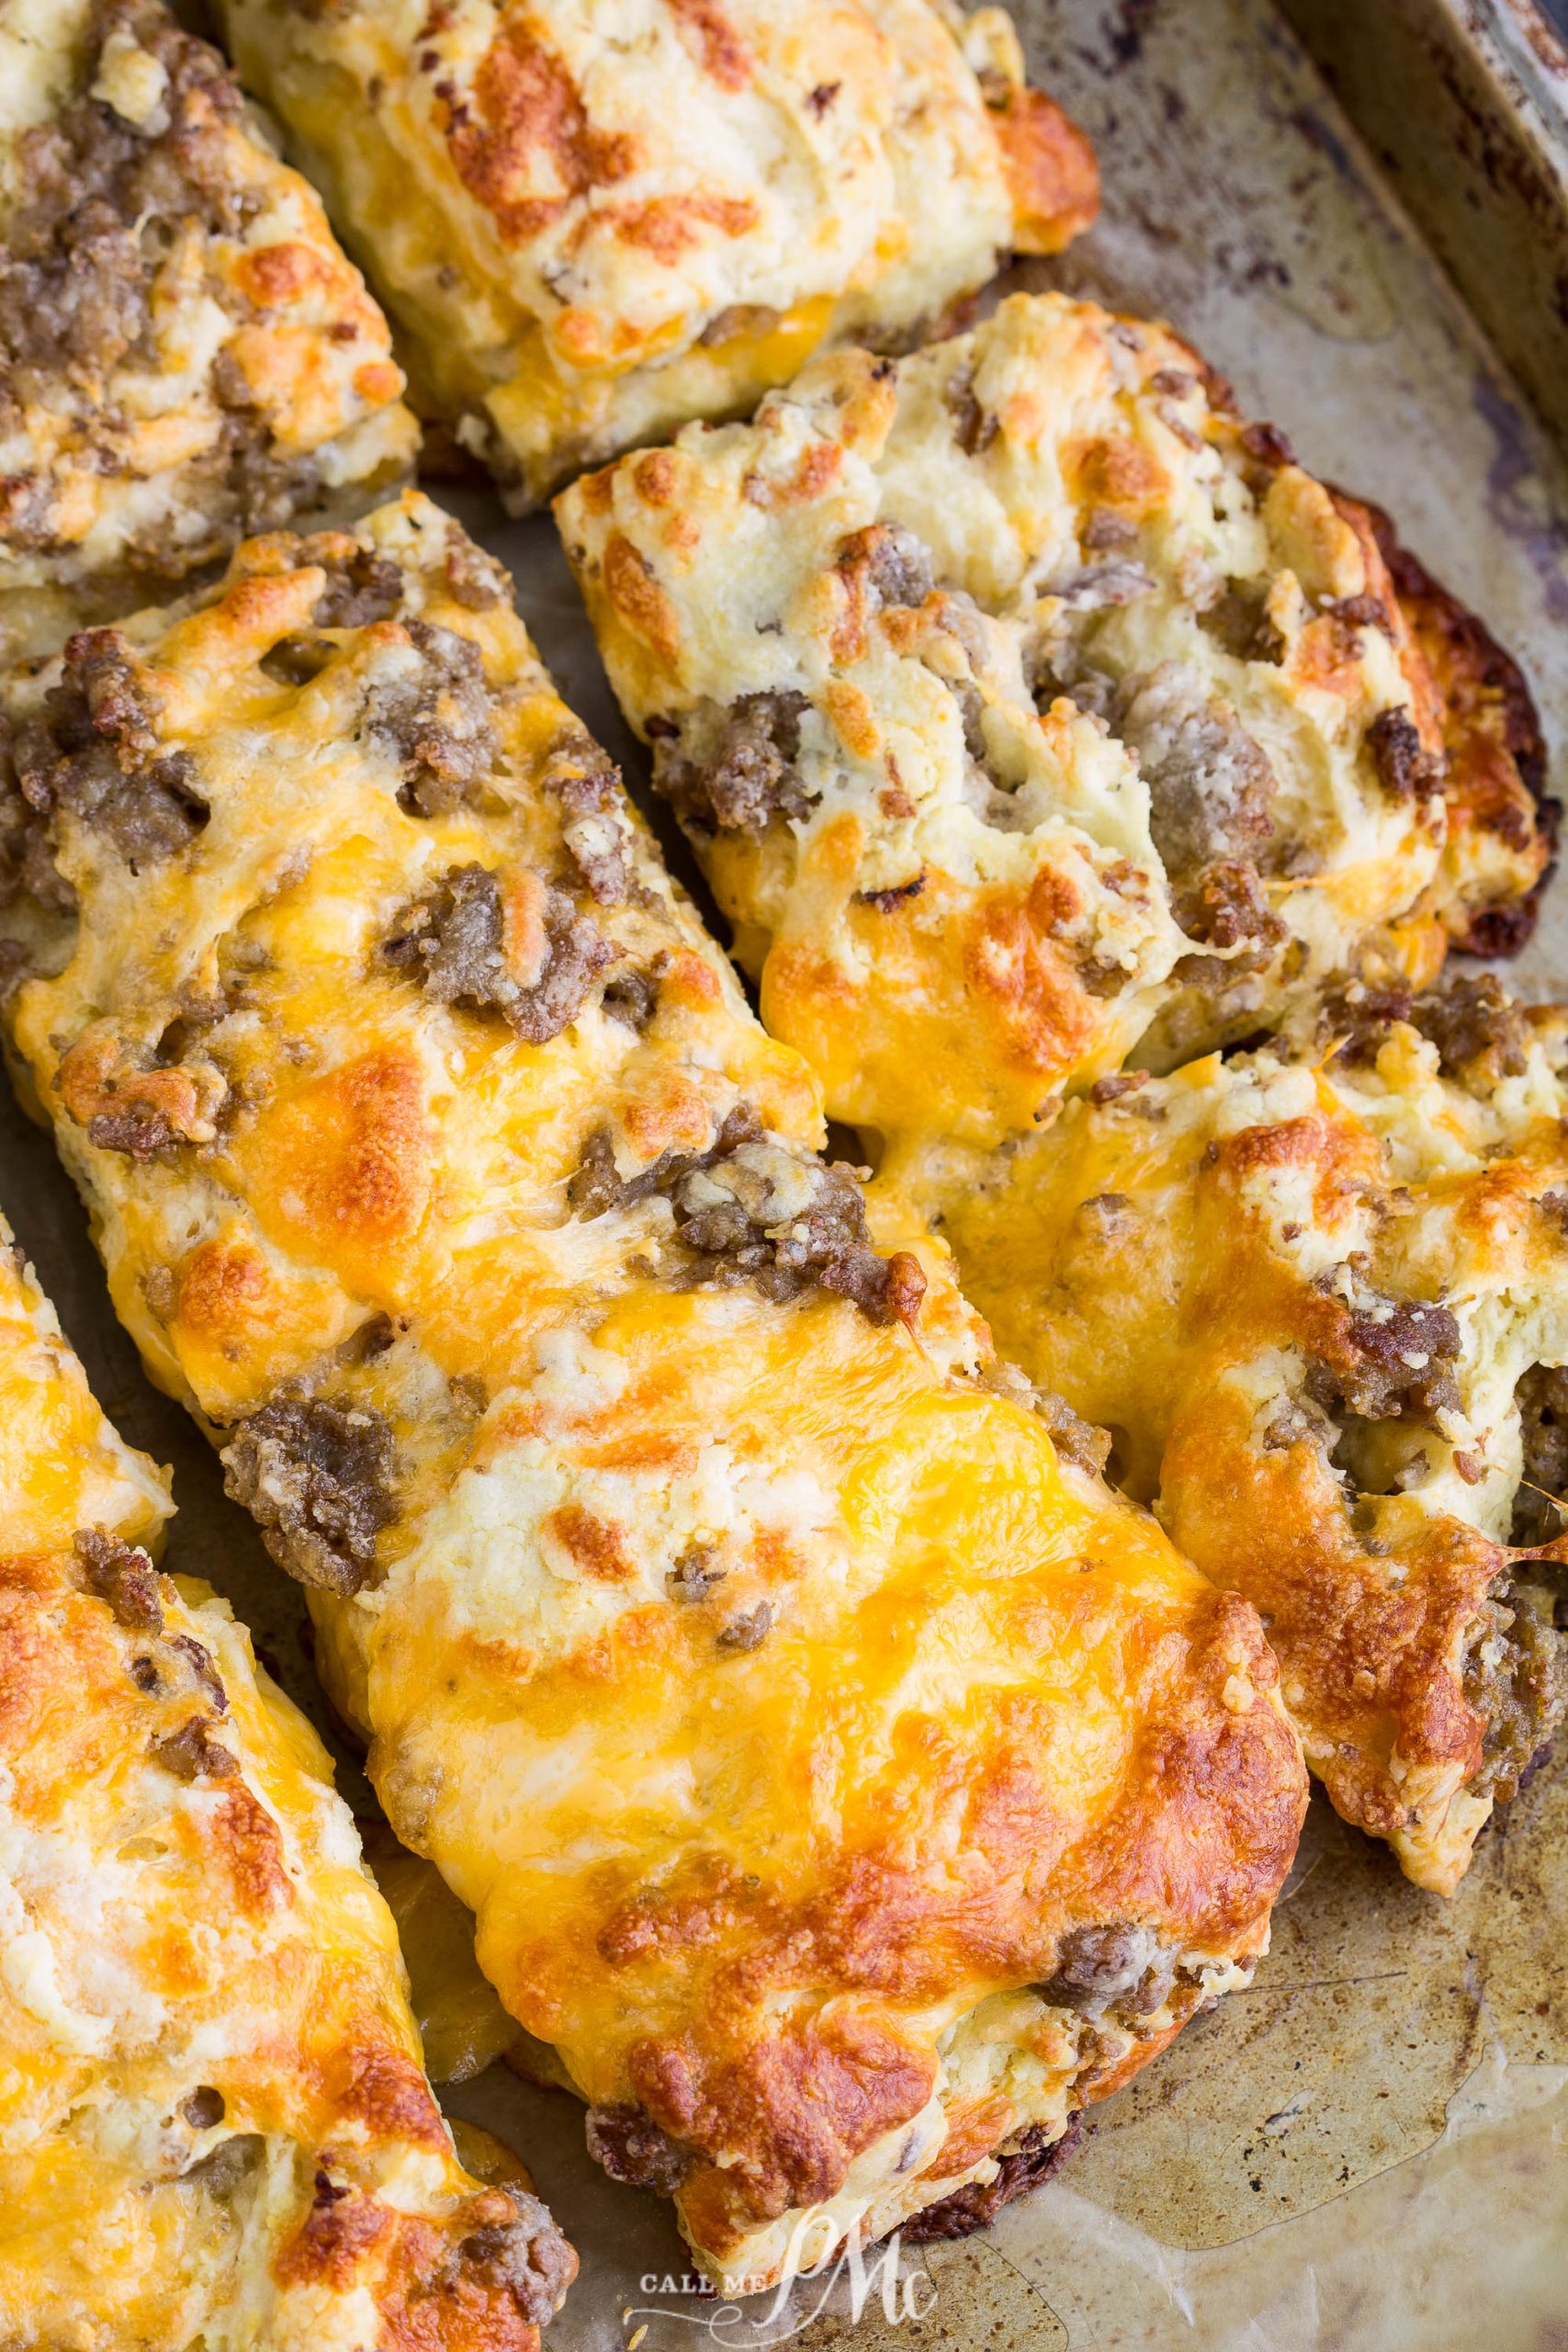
{"points": [[1369, 2149]]}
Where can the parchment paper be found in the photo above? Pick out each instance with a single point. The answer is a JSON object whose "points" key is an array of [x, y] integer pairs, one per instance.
{"points": [[1367, 2150]]}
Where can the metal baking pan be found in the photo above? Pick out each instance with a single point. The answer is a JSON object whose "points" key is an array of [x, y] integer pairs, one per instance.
{"points": [[1359, 209]]}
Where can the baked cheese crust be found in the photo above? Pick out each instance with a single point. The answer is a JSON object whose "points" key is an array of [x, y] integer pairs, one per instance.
{"points": [[215, 2129], [1320, 1294], [1027, 708], [848, 1786], [185, 354], [595, 221]]}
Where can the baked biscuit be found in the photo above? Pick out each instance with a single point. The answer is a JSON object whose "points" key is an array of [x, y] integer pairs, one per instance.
{"points": [[595, 221], [1028, 708], [215, 2129], [1320, 1295], [847, 1785], [185, 354]]}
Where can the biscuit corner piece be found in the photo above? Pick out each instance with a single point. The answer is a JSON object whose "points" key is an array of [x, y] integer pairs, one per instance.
{"points": [[847, 1787], [1321, 1290], [184, 352], [589, 236], [1028, 708], [214, 2123]]}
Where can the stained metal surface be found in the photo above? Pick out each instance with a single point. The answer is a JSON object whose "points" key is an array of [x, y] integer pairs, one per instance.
{"points": [[1464, 103], [1368, 2149]]}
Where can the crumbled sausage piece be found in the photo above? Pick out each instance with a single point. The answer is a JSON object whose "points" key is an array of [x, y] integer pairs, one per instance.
{"points": [[1294, 1422], [203, 1669], [1238, 622], [1210, 784], [1226, 908], [27, 863], [891, 562], [1406, 771], [123, 1577], [1369, 1371], [94, 751], [192, 1754], [695, 1574], [1542, 1400], [632, 998], [361, 586], [1358, 1017], [631, 2147], [474, 579], [1478, 1033], [750, 1630], [746, 776], [1104, 529], [144, 1100], [1121, 1964], [316, 1476], [526, 2257], [140, 1135], [1034, 2159], [1515, 1675], [1120, 1082], [437, 720], [1074, 1438], [597, 1186], [456, 939], [587, 783], [1481, 1036], [752, 1209]]}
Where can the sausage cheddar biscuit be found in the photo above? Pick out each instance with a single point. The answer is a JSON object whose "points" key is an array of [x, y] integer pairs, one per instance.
{"points": [[1027, 708], [185, 354], [215, 2129], [1319, 1292], [848, 1786], [595, 221]]}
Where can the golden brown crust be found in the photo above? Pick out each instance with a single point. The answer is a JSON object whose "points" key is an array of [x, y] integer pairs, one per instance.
{"points": [[207, 2050], [1503, 822], [845, 1785], [1052, 174], [590, 240]]}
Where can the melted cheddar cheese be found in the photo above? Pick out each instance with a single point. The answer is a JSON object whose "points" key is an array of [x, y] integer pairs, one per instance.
{"points": [[215, 2129], [595, 221], [847, 1786], [1320, 1295], [1028, 709], [187, 354]]}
